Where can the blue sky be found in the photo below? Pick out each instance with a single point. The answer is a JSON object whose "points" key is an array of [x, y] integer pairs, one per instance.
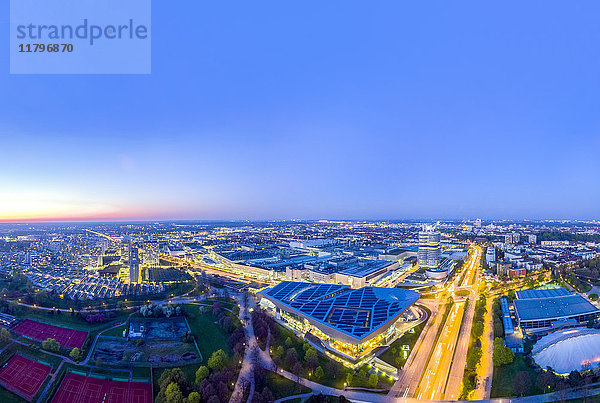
{"points": [[349, 109]]}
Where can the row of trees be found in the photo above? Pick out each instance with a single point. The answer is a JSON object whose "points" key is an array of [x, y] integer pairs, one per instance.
{"points": [[303, 360], [291, 353], [475, 352], [161, 311], [213, 382]]}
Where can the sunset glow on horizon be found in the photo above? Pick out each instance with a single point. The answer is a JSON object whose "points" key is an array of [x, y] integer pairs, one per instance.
{"points": [[346, 123]]}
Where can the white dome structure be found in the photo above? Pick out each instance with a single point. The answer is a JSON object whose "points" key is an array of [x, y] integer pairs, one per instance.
{"points": [[568, 350]]}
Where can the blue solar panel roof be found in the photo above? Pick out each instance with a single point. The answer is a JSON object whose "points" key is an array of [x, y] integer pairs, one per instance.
{"points": [[356, 312]]}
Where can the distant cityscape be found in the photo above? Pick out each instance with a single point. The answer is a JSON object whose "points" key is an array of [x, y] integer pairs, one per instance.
{"points": [[392, 309]]}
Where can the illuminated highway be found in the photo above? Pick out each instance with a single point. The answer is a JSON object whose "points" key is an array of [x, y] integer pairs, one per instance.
{"points": [[434, 371], [433, 384]]}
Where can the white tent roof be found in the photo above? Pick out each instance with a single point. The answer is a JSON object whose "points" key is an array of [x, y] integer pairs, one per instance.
{"points": [[568, 350]]}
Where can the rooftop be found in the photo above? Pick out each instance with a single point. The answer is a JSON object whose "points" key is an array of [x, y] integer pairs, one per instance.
{"points": [[364, 267], [542, 293], [355, 312], [553, 307]]}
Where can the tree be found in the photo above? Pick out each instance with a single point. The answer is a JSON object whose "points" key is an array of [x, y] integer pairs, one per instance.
{"points": [[297, 370], [373, 379], [51, 345], [218, 360], [267, 395], [333, 368], [201, 374], [289, 342], [74, 354], [575, 378], [522, 383], [174, 375], [291, 357], [350, 378], [194, 397], [473, 357], [477, 329], [4, 335], [173, 393], [502, 355], [213, 399], [545, 381], [311, 357], [319, 373]]}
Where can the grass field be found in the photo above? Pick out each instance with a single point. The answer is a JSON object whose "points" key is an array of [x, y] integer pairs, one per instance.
{"points": [[209, 335], [282, 387], [115, 331], [502, 385], [141, 372], [66, 319]]}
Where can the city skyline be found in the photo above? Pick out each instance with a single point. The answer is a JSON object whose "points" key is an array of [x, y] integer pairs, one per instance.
{"points": [[459, 111]]}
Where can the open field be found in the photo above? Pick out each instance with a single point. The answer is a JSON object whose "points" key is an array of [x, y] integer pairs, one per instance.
{"points": [[209, 335], [502, 385]]}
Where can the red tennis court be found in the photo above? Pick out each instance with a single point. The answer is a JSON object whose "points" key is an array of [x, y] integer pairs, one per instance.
{"points": [[76, 388], [68, 338], [24, 376]]}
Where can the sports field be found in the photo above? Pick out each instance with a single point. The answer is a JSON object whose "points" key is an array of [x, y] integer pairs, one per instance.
{"points": [[23, 376], [76, 388], [68, 338]]}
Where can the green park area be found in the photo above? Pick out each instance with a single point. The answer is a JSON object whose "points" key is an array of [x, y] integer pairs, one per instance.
{"points": [[514, 379], [297, 356], [395, 354]]}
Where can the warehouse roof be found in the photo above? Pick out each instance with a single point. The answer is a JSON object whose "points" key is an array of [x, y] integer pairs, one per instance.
{"points": [[542, 293], [551, 308]]}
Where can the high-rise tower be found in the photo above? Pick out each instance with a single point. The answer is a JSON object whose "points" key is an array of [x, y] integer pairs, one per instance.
{"points": [[429, 253], [134, 265]]}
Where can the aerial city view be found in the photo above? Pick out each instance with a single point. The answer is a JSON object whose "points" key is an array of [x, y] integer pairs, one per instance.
{"points": [[299, 202]]}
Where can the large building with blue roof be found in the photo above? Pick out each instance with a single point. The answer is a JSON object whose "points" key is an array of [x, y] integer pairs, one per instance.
{"points": [[551, 309], [348, 321]]}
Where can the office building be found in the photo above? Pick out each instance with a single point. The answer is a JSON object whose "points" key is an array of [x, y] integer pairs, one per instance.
{"points": [[429, 253], [125, 250], [150, 253], [513, 238], [134, 266]]}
